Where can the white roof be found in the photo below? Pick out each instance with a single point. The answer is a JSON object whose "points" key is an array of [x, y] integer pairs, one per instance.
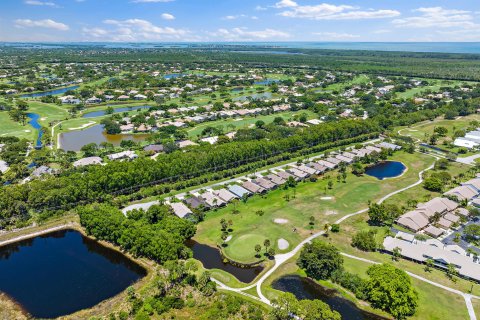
{"points": [[421, 251], [180, 209]]}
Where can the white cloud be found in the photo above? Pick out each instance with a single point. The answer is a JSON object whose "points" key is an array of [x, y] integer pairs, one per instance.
{"points": [[151, 1], [40, 3], [94, 32], [47, 23], [437, 17], [239, 16], [260, 8], [167, 16], [325, 11], [244, 34], [336, 35], [135, 30], [286, 4]]}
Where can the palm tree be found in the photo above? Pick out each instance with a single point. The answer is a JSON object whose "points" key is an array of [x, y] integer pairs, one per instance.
{"points": [[397, 252], [266, 244], [258, 248]]}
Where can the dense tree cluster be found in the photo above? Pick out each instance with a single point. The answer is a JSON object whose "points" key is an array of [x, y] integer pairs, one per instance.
{"points": [[387, 287], [99, 182], [155, 234]]}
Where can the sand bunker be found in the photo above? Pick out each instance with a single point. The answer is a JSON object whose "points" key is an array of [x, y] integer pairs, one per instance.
{"points": [[283, 244], [330, 212], [228, 238], [326, 198], [280, 221]]}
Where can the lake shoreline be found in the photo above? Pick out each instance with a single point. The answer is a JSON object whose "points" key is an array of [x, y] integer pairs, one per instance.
{"points": [[104, 307]]}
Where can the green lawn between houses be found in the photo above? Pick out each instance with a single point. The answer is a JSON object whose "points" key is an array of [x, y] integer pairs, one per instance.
{"points": [[310, 200], [233, 124]]}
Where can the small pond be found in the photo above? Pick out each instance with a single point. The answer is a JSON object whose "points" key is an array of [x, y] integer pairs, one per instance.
{"points": [[75, 140], [48, 93], [266, 82], [255, 96], [37, 127], [174, 75], [386, 169], [63, 272], [305, 288], [100, 113], [212, 259]]}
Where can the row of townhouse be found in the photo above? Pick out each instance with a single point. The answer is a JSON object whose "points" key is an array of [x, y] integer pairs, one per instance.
{"points": [[210, 199]]}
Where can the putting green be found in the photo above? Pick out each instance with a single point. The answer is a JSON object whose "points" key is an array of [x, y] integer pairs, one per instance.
{"points": [[243, 247]]}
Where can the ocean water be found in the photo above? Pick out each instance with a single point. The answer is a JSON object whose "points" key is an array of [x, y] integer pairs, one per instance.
{"points": [[440, 47]]}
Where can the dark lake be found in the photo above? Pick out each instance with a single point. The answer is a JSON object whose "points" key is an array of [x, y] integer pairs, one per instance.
{"points": [[307, 289], [212, 259], [386, 169], [63, 272], [100, 113], [48, 93], [75, 140]]}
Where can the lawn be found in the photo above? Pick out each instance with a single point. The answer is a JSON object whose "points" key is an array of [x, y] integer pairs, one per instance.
{"points": [[425, 129], [12, 128], [434, 303], [339, 86], [476, 307], [306, 200], [233, 124]]}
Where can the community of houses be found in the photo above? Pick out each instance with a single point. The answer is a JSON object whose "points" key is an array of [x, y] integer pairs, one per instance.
{"points": [[442, 255], [435, 218], [470, 140], [440, 214], [209, 198]]}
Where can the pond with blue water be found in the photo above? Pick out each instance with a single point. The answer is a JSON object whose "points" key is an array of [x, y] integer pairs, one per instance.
{"points": [[37, 126], [100, 113], [49, 92], [63, 272], [307, 289], [386, 169]]}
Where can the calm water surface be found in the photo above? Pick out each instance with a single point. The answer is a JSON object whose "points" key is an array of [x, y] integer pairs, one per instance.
{"points": [[212, 259], [75, 140], [100, 113], [63, 272], [36, 125], [386, 169], [304, 288], [49, 93]]}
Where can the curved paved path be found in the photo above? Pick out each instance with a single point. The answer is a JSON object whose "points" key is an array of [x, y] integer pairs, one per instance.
{"points": [[282, 258]]}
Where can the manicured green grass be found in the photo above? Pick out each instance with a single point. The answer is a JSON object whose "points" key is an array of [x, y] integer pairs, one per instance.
{"points": [[347, 198], [426, 128], [476, 307], [233, 124], [12, 128], [434, 303], [360, 79]]}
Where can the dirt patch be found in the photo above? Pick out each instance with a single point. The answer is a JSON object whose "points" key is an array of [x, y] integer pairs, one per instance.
{"points": [[280, 221]]}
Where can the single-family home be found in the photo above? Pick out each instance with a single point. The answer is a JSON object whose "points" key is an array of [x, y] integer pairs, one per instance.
{"points": [[285, 175], [463, 193], [87, 161], [153, 148], [318, 167], [298, 173], [225, 195], [180, 209], [253, 188], [307, 169], [275, 179], [196, 203], [130, 155], [265, 183], [327, 164], [212, 200], [239, 191]]}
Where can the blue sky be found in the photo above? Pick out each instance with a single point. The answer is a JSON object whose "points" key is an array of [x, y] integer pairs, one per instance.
{"points": [[239, 20]]}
